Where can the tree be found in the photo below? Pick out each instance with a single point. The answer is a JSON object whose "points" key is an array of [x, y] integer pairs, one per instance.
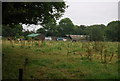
{"points": [[66, 26], [14, 13], [96, 32], [49, 29], [41, 30], [80, 30], [31, 12], [113, 31], [12, 30]]}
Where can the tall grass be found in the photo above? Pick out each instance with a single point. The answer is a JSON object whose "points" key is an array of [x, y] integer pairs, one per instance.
{"points": [[60, 60]]}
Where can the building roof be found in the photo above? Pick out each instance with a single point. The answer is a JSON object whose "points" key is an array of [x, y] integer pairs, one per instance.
{"points": [[33, 35], [78, 37]]}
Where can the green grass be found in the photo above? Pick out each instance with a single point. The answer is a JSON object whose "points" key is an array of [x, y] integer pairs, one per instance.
{"points": [[41, 62], [57, 60]]}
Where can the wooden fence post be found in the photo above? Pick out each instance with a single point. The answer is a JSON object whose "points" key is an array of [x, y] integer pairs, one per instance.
{"points": [[20, 74]]}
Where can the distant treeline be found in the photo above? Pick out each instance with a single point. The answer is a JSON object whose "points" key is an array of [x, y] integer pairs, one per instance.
{"points": [[111, 32]]}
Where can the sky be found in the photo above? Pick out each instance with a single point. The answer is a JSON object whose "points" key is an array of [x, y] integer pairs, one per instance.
{"points": [[88, 13], [84, 12]]}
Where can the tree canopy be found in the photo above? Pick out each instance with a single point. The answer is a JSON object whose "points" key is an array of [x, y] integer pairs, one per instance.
{"points": [[80, 30], [113, 31], [66, 26], [49, 29], [96, 32], [12, 30], [31, 12]]}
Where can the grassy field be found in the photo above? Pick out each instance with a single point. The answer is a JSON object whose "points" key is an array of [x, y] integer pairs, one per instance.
{"points": [[60, 60]]}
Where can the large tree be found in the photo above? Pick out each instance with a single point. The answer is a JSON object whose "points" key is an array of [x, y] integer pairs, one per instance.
{"points": [[49, 29], [66, 26], [31, 12], [96, 32], [14, 13], [113, 31]]}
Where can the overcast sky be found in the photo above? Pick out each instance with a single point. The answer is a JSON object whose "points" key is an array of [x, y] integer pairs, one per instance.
{"points": [[83, 12], [88, 13]]}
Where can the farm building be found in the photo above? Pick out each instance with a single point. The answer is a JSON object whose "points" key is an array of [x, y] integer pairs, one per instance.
{"points": [[78, 37], [51, 38], [36, 36], [48, 38]]}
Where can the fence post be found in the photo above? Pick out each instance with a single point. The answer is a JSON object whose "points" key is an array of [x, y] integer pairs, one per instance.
{"points": [[20, 74]]}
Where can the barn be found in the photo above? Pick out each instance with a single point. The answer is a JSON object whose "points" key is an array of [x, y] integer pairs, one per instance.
{"points": [[78, 37]]}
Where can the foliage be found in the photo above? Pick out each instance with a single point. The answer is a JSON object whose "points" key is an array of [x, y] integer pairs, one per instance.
{"points": [[66, 26], [80, 30], [32, 12], [12, 30], [41, 30], [29, 13], [96, 32], [50, 28], [113, 31]]}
